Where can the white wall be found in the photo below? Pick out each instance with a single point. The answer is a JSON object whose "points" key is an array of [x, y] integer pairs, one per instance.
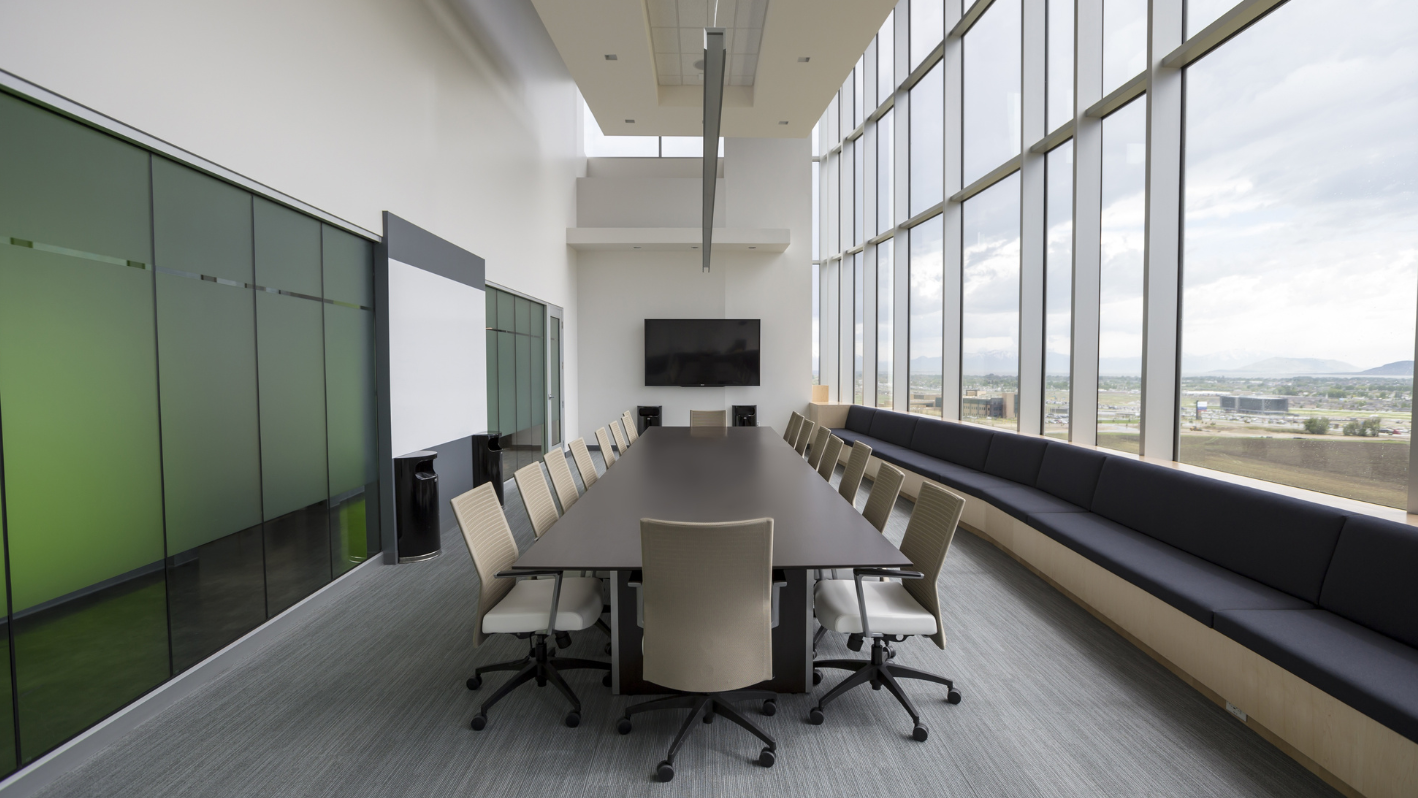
{"points": [[353, 106], [767, 183]]}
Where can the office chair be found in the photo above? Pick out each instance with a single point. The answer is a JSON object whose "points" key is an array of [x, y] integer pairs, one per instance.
{"points": [[831, 453], [566, 491], [708, 418], [630, 433], [607, 453], [584, 464], [884, 490], [856, 468], [620, 442], [889, 612], [819, 440], [805, 431], [532, 487], [707, 593], [530, 609], [790, 435]]}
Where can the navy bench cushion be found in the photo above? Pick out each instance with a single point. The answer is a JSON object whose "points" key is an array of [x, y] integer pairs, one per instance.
{"points": [[1373, 578], [859, 418], [1281, 542], [1070, 473], [893, 427], [1189, 583], [1374, 674], [955, 443], [1022, 501], [1016, 457]]}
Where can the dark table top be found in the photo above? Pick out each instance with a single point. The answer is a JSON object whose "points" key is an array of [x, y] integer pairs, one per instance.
{"points": [[732, 474]]}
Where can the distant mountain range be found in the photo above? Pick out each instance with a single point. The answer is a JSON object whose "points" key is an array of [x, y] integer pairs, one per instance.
{"points": [[1292, 365], [1398, 368]]}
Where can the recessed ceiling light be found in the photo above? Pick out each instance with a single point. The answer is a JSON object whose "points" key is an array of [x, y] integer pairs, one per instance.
{"points": [[694, 247], [630, 121], [611, 57], [753, 247], [784, 122], [637, 247], [804, 59]]}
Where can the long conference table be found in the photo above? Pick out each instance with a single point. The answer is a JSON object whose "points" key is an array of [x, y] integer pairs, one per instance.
{"points": [[714, 474]]}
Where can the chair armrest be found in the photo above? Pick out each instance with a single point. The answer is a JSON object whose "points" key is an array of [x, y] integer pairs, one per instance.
{"points": [[555, 590], [887, 572], [858, 573]]}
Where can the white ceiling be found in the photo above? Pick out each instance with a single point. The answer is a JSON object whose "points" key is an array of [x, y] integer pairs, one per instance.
{"points": [[652, 79], [677, 35]]}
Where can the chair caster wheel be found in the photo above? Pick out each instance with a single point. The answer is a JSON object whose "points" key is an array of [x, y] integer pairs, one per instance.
{"points": [[770, 708], [623, 725], [920, 733], [815, 716], [479, 722], [606, 680], [573, 719], [766, 758], [816, 677], [665, 771], [475, 682], [952, 697], [563, 640]]}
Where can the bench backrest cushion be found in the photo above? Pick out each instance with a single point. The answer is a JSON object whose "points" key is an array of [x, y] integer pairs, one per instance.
{"points": [[859, 419], [1278, 541], [1373, 578], [954, 443], [893, 427], [1070, 473], [1016, 457]]}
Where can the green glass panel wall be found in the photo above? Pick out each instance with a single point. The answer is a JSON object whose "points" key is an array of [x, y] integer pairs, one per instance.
{"points": [[211, 446], [287, 249], [9, 754], [348, 267]]}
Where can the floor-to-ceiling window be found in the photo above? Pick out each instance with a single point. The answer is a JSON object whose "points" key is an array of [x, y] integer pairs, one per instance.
{"points": [[1301, 225], [857, 323], [1296, 312]]}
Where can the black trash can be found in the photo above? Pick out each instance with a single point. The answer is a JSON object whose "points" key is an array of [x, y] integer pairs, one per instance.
{"points": [[416, 502], [487, 460], [649, 417], [745, 415]]}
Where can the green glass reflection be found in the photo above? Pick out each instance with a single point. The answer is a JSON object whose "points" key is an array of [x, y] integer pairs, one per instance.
{"points": [[69, 185], [287, 249], [291, 364], [349, 267], [491, 380], [8, 754], [200, 224], [506, 311], [80, 415], [211, 448], [506, 383], [554, 380], [523, 310], [353, 462]]}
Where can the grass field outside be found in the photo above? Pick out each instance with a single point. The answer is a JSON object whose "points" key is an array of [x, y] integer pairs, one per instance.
{"points": [[1366, 469]]}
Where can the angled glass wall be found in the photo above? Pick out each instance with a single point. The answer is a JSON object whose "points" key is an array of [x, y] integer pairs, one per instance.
{"points": [[516, 377]]}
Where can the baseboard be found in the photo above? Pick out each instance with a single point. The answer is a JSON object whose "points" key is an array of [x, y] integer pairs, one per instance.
{"points": [[44, 771]]}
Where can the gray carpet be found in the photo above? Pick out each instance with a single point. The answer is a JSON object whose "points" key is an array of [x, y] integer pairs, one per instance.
{"points": [[367, 699]]}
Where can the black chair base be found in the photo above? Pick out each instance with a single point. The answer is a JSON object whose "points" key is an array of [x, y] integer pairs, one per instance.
{"points": [[706, 706], [880, 672], [539, 665]]}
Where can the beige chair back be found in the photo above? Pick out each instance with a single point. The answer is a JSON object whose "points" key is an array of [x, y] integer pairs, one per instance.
{"points": [[630, 432], [927, 539], [819, 441], [856, 468], [561, 479], [791, 433], [884, 490], [604, 440], [584, 464], [708, 592], [708, 418], [532, 486], [805, 431], [491, 545], [831, 453], [620, 442]]}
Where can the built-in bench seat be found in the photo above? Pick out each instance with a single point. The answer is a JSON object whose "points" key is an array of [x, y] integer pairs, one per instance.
{"points": [[1329, 596]]}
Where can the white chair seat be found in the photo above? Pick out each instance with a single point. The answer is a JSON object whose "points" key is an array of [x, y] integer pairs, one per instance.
{"points": [[526, 607], [890, 609]]}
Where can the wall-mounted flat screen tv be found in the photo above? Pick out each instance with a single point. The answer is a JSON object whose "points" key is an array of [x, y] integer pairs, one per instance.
{"points": [[701, 352]]}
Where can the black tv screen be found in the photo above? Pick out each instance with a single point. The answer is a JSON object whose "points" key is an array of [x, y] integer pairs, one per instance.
{"points": [[701, 352]]}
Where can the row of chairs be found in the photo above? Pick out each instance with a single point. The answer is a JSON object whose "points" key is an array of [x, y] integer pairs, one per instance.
{"points": [[883, 611]]}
